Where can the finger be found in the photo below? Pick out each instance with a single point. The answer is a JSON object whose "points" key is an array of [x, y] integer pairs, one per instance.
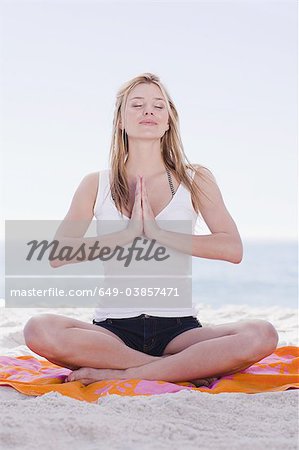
{"points": [[137, 199], [138, 190], [145, 198], [143, 185], [144, 192], [146, 205], [142, 188]]}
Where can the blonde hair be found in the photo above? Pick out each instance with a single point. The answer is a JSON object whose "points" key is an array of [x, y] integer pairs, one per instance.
{"points": [[172, 150]]}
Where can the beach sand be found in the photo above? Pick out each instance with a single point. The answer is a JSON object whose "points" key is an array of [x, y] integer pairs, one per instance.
{"points": [[184, 420]]}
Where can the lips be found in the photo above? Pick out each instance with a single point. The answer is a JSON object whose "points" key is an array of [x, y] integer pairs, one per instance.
{"points": [[148, 122]]}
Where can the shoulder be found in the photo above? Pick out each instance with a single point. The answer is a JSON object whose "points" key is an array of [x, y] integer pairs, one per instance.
{"points": [[207, 184], [203, 175], [90, 180], [89, 184]]}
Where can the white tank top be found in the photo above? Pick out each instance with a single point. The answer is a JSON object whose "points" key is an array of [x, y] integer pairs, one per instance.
{"points": [[179, 208]]}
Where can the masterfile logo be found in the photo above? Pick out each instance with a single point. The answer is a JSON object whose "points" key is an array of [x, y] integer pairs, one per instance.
{"points": [[45, 268]]}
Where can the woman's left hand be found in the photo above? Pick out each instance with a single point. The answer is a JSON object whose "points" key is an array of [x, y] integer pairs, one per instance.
{"points": [[150, 227]]}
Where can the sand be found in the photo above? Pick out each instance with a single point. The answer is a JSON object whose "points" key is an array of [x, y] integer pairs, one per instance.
{"points": [[184, 420]]}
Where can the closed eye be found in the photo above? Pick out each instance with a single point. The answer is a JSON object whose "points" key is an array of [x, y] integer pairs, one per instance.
{"points": [[138, 106]]}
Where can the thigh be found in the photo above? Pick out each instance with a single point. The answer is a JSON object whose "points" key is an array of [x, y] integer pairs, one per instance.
{"points": [[196, 335], [56, 322]]}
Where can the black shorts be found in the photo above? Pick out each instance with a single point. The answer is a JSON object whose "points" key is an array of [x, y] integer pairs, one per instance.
{"points": [[149, 334]]}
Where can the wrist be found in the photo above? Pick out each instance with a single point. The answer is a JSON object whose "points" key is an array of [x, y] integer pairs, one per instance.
{"points": [[129, 235], [159, 235]]}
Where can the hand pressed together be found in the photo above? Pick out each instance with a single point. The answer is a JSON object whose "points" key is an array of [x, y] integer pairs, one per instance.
{"points": [[142, 220]]}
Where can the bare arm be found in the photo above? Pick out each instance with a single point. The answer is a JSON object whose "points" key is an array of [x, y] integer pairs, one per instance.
{"points": [[78, 218], [224, 242]]}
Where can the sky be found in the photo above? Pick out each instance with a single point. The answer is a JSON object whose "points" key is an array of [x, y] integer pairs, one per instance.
{"points": [[230, 67]]}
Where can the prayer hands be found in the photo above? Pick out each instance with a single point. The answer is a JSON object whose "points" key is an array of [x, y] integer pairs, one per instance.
{"points": [[142, 218]]}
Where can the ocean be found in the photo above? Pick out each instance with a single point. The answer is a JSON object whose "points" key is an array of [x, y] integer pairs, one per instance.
{"points": [[267, 276]]}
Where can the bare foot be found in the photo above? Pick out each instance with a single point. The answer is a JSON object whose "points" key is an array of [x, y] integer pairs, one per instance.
{"points": [[204, 381], [88, 375]]}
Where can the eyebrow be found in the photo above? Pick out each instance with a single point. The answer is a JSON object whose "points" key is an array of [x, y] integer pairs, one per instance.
{"points": [[156, 98]]}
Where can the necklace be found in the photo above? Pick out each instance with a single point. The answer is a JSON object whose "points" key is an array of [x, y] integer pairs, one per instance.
{"points": [[170, 182]]}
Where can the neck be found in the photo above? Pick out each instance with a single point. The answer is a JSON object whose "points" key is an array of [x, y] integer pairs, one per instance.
{"points": [[144, 158]]}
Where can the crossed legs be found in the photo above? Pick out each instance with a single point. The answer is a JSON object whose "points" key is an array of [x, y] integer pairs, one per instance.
{"points": [[227, 349]]}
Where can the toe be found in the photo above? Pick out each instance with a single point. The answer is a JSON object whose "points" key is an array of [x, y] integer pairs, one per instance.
{"points": [[204, 381], [68, 378], [78, 374]]}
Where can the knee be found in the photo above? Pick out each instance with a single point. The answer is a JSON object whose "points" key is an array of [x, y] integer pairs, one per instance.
{"points": [[36, 333], [261, 338]]}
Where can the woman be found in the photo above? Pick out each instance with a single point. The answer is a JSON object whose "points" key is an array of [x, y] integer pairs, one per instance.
{"points": [[146, 142]]}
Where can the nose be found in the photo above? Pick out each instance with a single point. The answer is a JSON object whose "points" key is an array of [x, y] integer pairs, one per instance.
{"points": [[146, 109]]}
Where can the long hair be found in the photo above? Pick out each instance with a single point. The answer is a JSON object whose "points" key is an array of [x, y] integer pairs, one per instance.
{"points": [[172, 150]]}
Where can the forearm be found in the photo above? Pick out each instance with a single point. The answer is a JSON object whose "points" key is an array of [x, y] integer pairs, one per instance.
{"points": [[110, 240], [212, 246]]}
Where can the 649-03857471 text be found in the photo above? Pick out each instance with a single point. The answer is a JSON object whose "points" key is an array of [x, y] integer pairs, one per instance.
{"points": [[56, 292]]}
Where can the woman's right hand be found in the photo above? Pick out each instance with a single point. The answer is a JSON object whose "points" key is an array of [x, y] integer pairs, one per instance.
{"points": [[136, 221]]}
